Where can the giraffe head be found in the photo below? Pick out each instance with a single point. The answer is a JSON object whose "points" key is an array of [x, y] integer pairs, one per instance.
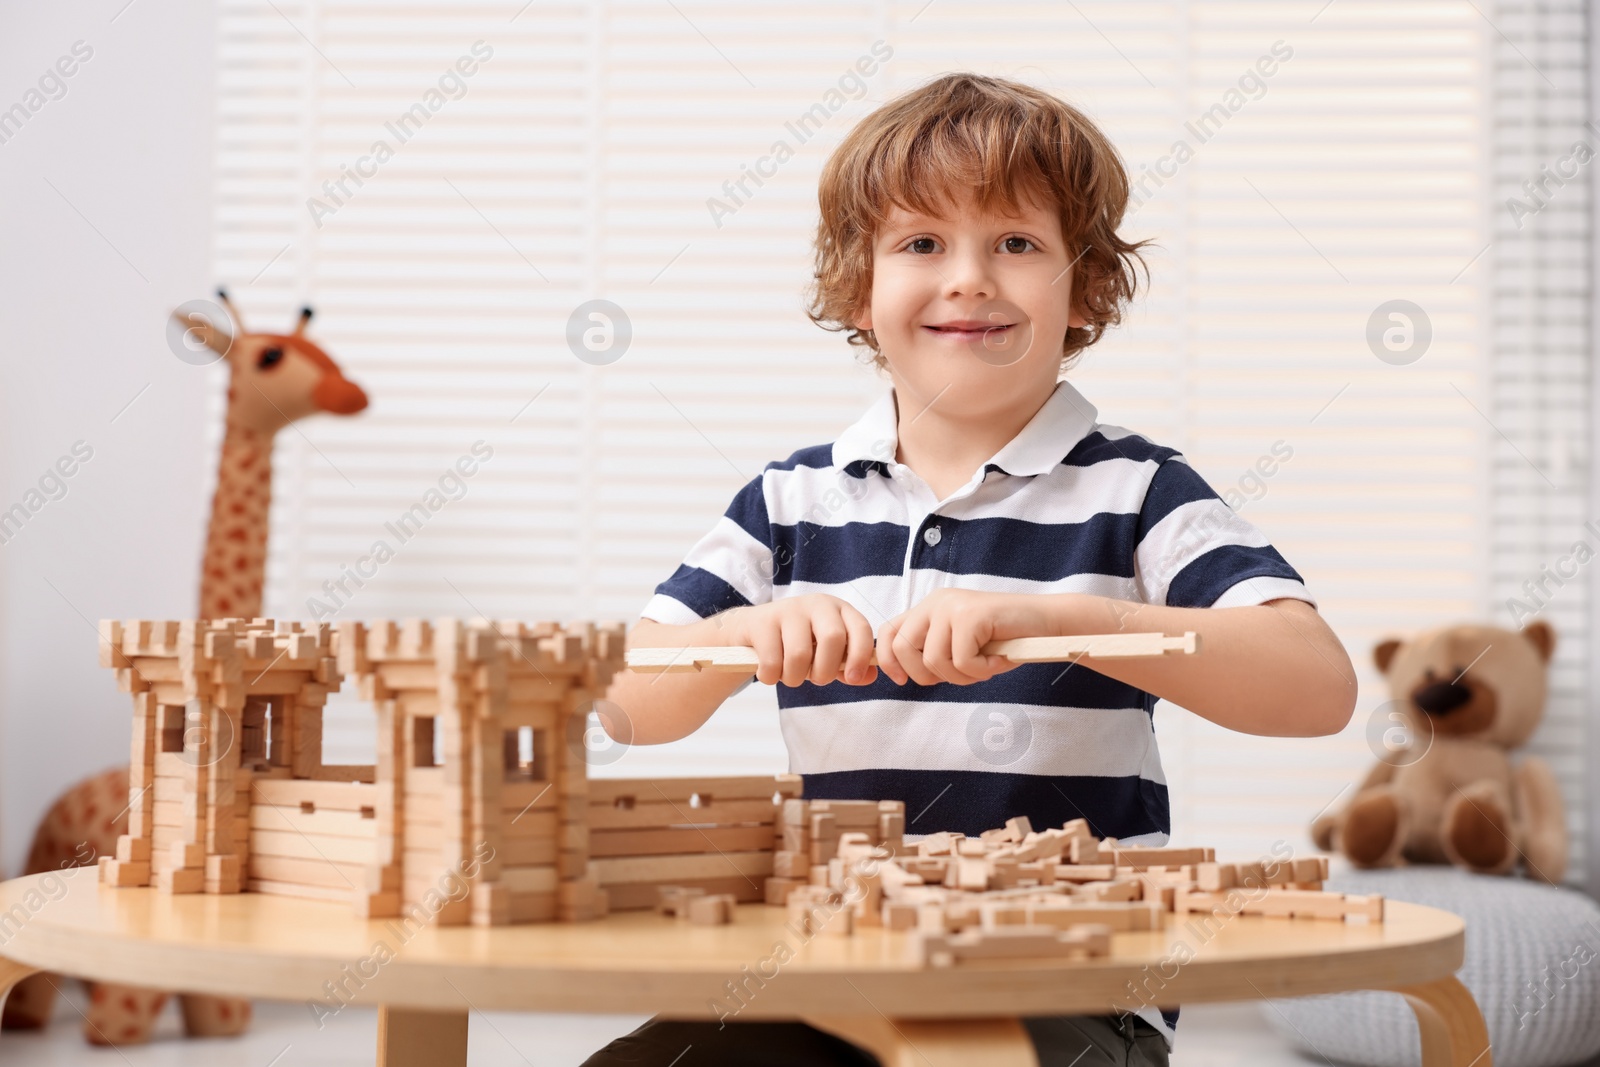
{"points": [[275, 378]]}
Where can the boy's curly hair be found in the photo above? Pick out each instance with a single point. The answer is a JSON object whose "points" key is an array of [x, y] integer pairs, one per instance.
{"points": [[992, 139]]}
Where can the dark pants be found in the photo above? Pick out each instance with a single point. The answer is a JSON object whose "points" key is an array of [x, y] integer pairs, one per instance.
{"points": [[1058, 1040]]}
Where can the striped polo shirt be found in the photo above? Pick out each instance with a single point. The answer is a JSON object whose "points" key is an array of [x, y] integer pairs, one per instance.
{"points": [[1070, 505]]}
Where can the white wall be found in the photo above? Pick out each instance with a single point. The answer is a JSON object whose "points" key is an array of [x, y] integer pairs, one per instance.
{"points": [[81, 334]]}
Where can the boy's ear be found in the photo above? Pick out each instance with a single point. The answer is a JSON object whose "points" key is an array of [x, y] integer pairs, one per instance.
{"points": [[1076, 318]]}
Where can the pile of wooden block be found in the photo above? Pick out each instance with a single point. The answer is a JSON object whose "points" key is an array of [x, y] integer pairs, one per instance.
{"points": [[1016, 893], [715, 835], [810, 831]]}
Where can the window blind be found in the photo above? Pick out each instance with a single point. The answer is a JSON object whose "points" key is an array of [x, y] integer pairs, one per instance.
{"points": [[598, 153], [1353, 176], [1541, 229]]}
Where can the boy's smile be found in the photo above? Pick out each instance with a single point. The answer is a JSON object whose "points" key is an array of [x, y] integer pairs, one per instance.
{"points": [[970, 329], [997, 333]]}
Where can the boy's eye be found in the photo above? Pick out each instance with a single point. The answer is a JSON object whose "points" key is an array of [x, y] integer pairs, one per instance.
{"points": [[923, 246]]}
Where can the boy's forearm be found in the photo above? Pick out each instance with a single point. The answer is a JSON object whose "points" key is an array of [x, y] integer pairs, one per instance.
{"points": [[665, 707], [1274, 669]]}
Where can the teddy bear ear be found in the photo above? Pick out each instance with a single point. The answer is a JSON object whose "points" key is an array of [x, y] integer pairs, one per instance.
{"points": [[1542, 637], [1383, 653]]}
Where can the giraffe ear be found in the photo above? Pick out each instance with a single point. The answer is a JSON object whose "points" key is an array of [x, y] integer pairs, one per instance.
{"points": [[205, 332]]}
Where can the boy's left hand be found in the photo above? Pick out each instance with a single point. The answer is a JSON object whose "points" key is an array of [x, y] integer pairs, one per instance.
{"points": [[939, 639]]}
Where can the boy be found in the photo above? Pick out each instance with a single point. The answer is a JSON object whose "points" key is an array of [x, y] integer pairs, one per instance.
{"points": [[968, 239]]}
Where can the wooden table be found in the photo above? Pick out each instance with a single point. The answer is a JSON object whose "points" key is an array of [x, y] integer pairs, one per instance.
{"points": [[861, 987]]}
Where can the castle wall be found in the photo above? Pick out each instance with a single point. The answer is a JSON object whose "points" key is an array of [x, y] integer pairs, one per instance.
{"points": [[479, 808]]}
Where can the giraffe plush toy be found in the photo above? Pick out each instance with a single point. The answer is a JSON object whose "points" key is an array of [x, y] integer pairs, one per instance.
{"points": [[274, 379]]}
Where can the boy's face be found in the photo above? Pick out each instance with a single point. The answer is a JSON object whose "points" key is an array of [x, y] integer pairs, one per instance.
{"points": [[973, 309]]}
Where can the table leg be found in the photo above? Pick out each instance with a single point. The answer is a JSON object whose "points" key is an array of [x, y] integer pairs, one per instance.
{"points": [[928, 1043], [1453, 1031], [412, 1038], [12, 972]]}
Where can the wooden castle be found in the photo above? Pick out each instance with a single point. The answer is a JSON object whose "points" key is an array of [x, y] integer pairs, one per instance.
{"points": [[478, 808]]}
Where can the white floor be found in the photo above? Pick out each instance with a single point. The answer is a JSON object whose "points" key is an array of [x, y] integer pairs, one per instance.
{"points": [[286, 1035]]}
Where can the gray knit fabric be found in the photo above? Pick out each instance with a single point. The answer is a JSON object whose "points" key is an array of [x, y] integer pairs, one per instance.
{"points": [[1532, 964]]}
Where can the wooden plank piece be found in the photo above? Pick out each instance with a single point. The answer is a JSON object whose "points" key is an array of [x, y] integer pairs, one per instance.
{"points": [[739, 659], [754, 865], [607, 843], [717, 813]]}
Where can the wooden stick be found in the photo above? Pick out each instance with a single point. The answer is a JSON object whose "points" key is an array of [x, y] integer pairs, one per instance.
{"points": [[738, 659]]}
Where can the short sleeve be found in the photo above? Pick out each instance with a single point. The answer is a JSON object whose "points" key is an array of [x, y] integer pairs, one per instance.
{"points": [[730, 567], [1194, 551]]}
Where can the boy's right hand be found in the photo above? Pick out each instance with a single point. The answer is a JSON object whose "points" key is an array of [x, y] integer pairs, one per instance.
{"points": [[816, 638]]}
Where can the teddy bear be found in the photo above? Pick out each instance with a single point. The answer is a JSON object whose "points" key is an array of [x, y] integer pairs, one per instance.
{"points": [[1463, 697]]}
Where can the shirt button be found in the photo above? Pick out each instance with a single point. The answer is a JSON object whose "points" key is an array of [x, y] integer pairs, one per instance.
{"points": [[931, 535]]}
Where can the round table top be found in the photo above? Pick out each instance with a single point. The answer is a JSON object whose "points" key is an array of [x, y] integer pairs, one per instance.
{"points": [[285, 948]]}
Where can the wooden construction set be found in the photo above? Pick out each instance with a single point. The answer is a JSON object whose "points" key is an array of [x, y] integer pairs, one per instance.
{"points": [[479, 808], [1013, 892], [475, 784]]}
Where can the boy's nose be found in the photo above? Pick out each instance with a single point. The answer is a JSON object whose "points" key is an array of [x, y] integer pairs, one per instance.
{"points": [[969, 275]]}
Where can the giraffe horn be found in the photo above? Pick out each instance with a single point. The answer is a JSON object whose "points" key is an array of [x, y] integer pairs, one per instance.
{"points": [[305, 319]]}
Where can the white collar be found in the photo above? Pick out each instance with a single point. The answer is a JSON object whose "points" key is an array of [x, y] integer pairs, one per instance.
{"points": [[1039, 447]]}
